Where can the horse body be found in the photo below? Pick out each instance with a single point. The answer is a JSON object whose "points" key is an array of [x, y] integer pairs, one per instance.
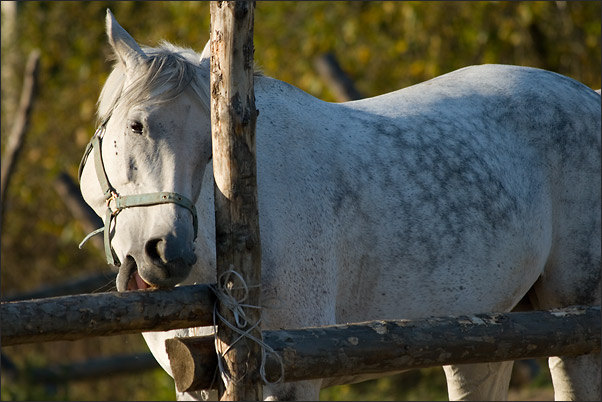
{"points": [[382, 202], [459, 195]]}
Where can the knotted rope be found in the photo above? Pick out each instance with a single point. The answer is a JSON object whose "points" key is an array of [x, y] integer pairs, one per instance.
{"points": [[241, 324]]}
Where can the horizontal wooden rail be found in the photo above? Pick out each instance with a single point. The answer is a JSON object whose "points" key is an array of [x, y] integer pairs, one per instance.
{"points": [[101, 314], [386, 346], [95, 368]]}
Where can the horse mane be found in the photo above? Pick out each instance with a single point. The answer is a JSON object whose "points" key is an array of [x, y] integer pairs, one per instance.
{"points": [[167, 72]]}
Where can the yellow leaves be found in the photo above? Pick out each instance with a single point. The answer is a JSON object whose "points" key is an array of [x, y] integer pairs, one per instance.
{"points": [[82, 136], [388, 7], [516, 38], [525, 13], [363, 54], [311, 83], [87, 109], [349, 30], [592, 40], [409, 16], [434, 46], [401, 46], [33, 155], [417, 68]]}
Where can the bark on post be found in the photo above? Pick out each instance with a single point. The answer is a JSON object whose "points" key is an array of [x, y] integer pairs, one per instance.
{"points": [[233, 117], [339, 351]]}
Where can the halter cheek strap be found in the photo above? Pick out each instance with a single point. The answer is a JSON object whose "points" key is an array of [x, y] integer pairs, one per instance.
{"points": [[116, 203]]}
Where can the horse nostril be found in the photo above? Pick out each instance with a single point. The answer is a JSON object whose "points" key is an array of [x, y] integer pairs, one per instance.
{"points": [[155, 250], [168, 250], [167, 261]]}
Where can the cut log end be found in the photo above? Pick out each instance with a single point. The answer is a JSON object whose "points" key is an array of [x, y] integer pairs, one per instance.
{"points": [[203, 361]]}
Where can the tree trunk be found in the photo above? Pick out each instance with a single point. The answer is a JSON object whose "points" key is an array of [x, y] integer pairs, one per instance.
{"points": [[238, 250], [338, 81], [70, 194], [387, 346], [11, 57], [19, 128]]}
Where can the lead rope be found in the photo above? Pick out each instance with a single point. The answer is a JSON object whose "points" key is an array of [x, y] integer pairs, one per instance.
{"points": [[236, 306]]}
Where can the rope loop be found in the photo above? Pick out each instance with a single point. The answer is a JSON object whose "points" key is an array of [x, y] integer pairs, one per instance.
{"points": [[241, 326]]}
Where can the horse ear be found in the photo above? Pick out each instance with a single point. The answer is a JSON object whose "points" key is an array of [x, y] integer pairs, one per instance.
{"points": [[125, 47], [206, 54]]}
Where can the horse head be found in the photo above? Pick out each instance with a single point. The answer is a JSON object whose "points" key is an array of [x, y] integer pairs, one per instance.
{"points": [[142, 171]]}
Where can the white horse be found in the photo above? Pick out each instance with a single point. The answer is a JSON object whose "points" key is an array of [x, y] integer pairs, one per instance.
{"points": [[459, 195]]}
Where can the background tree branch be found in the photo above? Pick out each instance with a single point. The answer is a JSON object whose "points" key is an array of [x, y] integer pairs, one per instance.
{"points": [[20, 125]]}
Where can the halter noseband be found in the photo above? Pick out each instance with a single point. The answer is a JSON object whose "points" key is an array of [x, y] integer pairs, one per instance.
{"points": [[116, 203]]}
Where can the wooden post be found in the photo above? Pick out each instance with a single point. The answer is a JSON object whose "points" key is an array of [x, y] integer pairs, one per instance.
{"points": [[238, 249], [338, 352]]}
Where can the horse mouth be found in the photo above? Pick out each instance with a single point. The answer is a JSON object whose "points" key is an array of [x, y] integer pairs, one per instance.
{"points": [[135, 282], [129, 278], [132, 276]]}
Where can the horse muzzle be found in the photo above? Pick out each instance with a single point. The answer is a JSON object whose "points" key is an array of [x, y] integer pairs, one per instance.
{"points": [[163, 263]]}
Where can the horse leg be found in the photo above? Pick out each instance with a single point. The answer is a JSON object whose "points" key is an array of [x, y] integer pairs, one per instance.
{"points": [[572, 277], [482, 381], [575, 378], [293, 391], [196, 396]]}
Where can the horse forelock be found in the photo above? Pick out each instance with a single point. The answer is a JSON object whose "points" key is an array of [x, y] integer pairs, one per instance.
{"points": [[166, 73]]}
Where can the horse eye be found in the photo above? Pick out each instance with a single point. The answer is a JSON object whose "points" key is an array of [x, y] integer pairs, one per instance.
{"points": [[136, 127]]}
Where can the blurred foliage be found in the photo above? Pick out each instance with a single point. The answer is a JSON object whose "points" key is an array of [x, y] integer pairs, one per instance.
{"points": [[530, 379], [414, 385], [382, 45]]}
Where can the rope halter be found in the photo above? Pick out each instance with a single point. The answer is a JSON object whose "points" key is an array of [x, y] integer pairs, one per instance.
{"points": [[116, 203]]}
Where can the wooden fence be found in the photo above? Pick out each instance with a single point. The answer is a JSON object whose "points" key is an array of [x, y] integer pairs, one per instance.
{"points": [[309, 353]]}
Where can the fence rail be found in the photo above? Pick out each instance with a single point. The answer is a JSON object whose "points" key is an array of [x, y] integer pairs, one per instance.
{"points": [[386, 346], [101, 314], [93, 369]]}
